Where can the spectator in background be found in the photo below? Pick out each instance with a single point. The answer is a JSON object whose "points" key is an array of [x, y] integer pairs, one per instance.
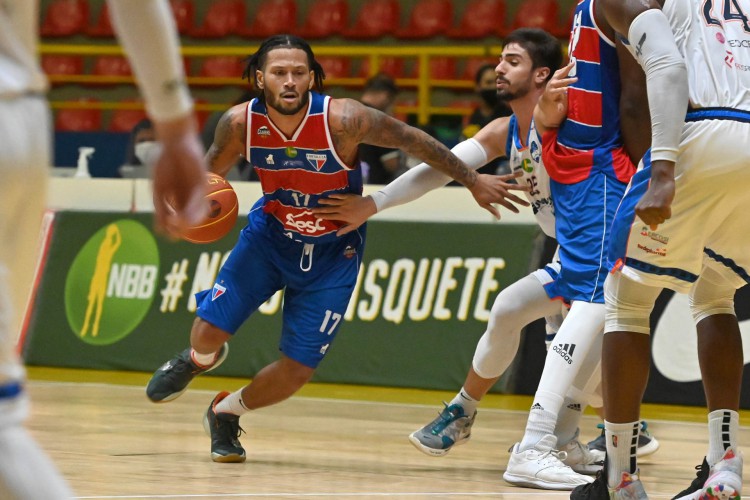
{"points": [[490, 107], [380, 165], [141, 147]]}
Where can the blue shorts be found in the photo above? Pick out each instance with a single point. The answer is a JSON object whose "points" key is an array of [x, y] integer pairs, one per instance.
{"points": [[583, 216], [319, 281]]}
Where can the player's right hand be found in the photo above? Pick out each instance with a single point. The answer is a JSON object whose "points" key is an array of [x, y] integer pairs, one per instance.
{"points": [[489, 189], [179, 186]]}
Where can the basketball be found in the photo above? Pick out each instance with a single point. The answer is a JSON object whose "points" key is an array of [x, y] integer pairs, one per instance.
{"points": [[222, 215]]}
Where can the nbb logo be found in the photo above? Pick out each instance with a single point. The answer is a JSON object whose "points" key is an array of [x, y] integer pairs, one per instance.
{"points": [[111, 284]]}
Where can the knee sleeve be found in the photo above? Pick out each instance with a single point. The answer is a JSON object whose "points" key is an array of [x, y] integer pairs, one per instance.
{"points": [[629, 304], [711, 295]]}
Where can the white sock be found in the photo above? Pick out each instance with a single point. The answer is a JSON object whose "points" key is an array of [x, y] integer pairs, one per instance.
{"points": [[567, 421], [203, 360], [468, 403], [540, 423], [723, 426], [622, 443], [232, 404]]}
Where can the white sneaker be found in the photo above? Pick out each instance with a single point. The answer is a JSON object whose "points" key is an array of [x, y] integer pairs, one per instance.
{"points": [[581, 459], [542, 467], [725, 481]]}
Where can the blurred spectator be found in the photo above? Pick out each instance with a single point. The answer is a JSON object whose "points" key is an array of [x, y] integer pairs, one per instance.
{"points": [[381, 165], [243, 170], [490, 107], [141, 147]]}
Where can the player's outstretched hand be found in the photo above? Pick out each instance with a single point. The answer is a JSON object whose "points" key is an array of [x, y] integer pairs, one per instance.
{"points": [[489, 189], [655, 206], [351, 209], [179, 177]]}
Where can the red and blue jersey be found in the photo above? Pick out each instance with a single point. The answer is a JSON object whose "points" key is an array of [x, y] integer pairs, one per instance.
{"points": [[295, 172], [589, 140]]}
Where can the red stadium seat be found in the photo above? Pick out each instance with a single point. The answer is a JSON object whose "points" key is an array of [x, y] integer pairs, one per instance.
{"points": [[325, 18], [542, 14], [481, 18], [123, 120], [103, 26], [336, 67], [391, 66], [78, 120], [429, 18], [273, 17], [112, 66], [65, 18], [443, 68], [376, 18], [184, 15], [222, 67], [223, 18], [60, 64]]}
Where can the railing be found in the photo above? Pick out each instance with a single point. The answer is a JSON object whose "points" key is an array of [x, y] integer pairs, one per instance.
{"points": [[422, 83]]}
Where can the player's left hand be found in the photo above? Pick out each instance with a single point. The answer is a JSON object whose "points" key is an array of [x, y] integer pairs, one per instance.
{"points": [[655, 206], [489, 189], [351, 209]]}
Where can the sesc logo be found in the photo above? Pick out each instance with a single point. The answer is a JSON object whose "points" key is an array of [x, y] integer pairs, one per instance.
{"points": [[111, 284]]}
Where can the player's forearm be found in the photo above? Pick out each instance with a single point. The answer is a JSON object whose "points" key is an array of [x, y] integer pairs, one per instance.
{"points": [[421, 179], [147, 32]]}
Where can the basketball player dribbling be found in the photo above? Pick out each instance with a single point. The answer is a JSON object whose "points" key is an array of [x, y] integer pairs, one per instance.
{"points": [[147, 31]]}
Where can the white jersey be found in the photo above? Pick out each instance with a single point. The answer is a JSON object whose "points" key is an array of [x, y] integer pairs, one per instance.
{"points": [[19, 67], [714, 39], [528, 159]]}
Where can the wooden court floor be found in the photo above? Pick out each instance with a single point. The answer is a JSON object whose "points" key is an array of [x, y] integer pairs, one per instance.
{"points": [[328, 442]]}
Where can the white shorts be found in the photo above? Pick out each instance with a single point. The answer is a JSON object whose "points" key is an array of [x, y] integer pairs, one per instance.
{"points": [[709, 213]]}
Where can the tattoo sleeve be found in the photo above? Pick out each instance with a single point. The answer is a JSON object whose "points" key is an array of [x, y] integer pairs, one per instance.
{"points": [[228, 143]]}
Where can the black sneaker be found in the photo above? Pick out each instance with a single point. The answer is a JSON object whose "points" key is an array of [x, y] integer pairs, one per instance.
{"points": [[225, 430], [598, 490], [701, 476], [173, 377]]}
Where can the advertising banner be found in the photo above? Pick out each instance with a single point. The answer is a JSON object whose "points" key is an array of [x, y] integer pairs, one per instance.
{"points": [[113, 295]]}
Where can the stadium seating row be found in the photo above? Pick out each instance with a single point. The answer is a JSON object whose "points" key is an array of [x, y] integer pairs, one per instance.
{"points": [[325, 18]]}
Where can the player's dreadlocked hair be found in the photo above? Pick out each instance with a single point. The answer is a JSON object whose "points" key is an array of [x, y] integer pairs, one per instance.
{"points": [[258, 60]]}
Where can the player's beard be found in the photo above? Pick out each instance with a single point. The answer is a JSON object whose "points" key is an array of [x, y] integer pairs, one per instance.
{"points": [[509, 93], [279, 105]]}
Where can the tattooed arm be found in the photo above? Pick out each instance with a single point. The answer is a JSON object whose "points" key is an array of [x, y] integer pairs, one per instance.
{"points": [[229, 140], [353, 123]]}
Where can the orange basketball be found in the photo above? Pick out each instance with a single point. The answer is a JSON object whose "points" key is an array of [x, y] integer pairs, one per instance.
{"points": [[222, 215]]}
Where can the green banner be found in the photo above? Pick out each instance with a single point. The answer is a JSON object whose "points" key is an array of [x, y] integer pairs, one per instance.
{"points": [[115, 296]]}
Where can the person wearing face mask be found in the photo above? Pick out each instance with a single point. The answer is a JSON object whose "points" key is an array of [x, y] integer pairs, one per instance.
{"points": [[380, 165], [142, 149]]}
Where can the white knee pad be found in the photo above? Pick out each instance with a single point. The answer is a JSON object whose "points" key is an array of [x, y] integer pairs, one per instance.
{"points": [[629, 304], [711, 295]]}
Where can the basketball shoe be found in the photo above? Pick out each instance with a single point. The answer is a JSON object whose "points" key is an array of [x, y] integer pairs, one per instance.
{"points": [[225, 430], [724, 480], [451, 427], [542, 467], [630, 488], [701, 476], [647, 443], [173, 377]]}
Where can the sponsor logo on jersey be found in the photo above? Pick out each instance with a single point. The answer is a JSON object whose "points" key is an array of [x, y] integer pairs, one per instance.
{"points": [[645, 231], [655, 251], [317, 160], [263, 131], [269, 159], [745, 44], [324, 349], [291, 152], [535, 151], [305, 223], [217, 291], [565, 351]]}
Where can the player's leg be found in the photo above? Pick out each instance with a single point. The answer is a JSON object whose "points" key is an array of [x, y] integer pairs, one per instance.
{"points": [[516, 306], [221, 311], [721, 361], [25, 471]]}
